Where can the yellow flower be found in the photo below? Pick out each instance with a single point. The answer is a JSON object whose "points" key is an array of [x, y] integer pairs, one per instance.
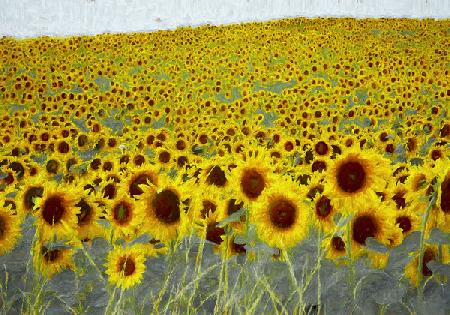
{"points": [[281, 216], [51, 261], [10, 230], [374, 219], [32, 188], [125, 216], [163, 207], [442, 168], [354, 177], [57, 205], [252, 176], [126, 266], [335, 247]]}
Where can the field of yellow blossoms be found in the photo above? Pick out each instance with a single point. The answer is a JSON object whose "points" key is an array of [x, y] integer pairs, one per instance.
{"points": [[298, 166]]}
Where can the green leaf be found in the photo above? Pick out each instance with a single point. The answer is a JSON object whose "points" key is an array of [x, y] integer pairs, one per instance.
{"points": [[235, 217]]}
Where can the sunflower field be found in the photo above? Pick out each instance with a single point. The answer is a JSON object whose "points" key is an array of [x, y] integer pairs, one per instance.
{"points": [[298, 166]]}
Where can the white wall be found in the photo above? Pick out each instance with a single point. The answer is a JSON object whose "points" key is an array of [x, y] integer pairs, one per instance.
{"points": [[30, 18]]}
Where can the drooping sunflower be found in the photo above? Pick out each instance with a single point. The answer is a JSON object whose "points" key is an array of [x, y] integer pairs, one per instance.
{"points": [[49, 262], [126, 266], [163, 207], [374, 219], [10, 230], [209, 210], [281, 217], [57, 206], [411, 269], [354, 177]]}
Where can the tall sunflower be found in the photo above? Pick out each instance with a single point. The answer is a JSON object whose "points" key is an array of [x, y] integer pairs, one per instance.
{"points": [[57, 206], [33, 188], [125, 267], [442, 169], [125, 215], [374, 219], [354, 177], [49, 262], [252, 175], [280, 215], [163, 206], [10, 230]]}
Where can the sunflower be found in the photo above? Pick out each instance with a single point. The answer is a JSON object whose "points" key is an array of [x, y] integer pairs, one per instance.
{"points": [[430, 253], [335, 248], [209, 210], [57, 205], [354, 178], [163, 206], [323, 213], [125, 267], [374, 219], [87, 219], [252, 176], [32, 188], [443, 200], [280, 216], [49, 261], [10, 230], [214, 172], [229, 248], [139, 175], [125, 215]]}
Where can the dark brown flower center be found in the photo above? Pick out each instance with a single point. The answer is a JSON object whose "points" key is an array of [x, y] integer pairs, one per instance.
{"points": [[50, 255], [323, 207], [53, 209], [338, 244], [109, 191], [32, 192], [140, 179], [164, 157], [85, 215], [427, 257], [126, 265], [208, 206], [404, 223], [216, 177], [52, 166], [2, 227], [282, 213], [318, 166], [399, 199], [167, 206], [252, 183], [232, 206], [321, 148], [351, 176], [363, 227], [445, 195], [122, 212], [214, 233]]}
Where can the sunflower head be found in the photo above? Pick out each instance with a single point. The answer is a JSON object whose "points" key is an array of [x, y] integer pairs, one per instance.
{"points": [[281, 216], [126, 266]]}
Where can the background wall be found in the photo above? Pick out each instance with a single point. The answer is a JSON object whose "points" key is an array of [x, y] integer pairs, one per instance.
{"points": [[30, 18]]}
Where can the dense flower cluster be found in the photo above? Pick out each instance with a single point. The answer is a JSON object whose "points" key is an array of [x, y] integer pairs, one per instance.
{"points": [[285, 126]]}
